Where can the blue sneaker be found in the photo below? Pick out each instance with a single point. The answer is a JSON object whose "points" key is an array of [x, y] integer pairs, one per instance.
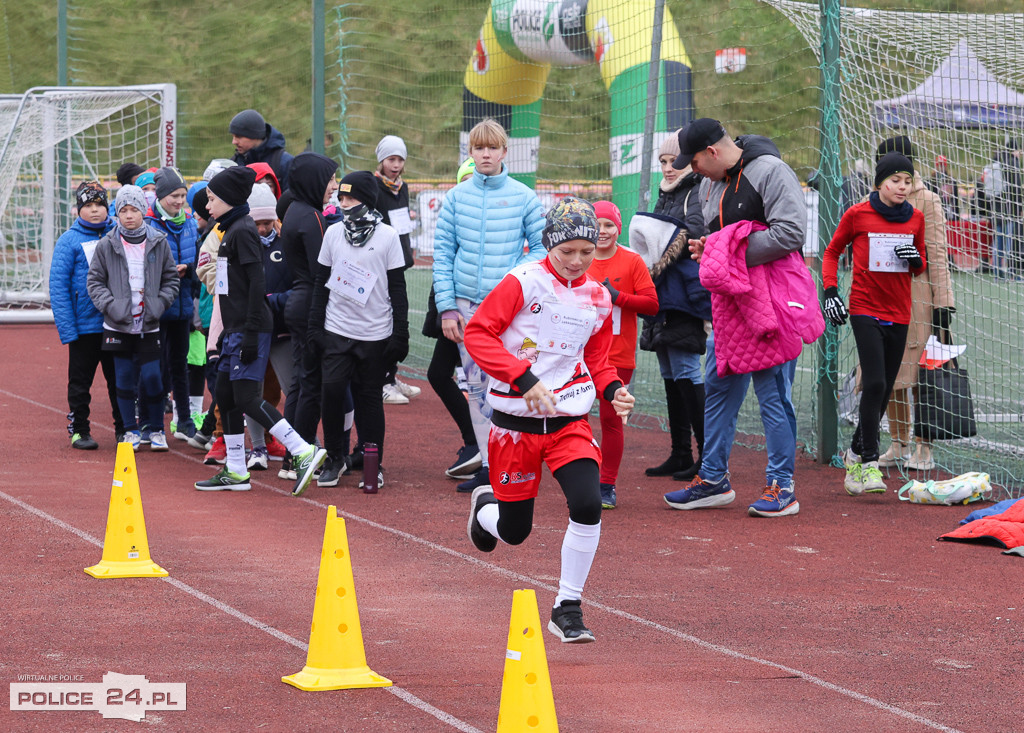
{"points": [[776, 501], [701, 494]]}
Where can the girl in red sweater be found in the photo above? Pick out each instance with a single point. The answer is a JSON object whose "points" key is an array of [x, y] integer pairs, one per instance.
{"points": [[625, 276], [887, 235]]}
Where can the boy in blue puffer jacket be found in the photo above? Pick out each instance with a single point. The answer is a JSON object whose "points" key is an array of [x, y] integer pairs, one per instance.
{"points": [[481, 232], [168, 214], [79, 324]]}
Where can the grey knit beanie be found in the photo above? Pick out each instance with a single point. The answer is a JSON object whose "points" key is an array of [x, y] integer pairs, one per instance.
{"points": [[249, 123], [130, 196]]}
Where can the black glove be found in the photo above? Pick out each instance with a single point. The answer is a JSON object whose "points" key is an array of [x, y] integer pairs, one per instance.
{"points": [[611, 290], [396, 350], [940, 323], [250, 347], [907, 251], [316, 340], [835, 309]]}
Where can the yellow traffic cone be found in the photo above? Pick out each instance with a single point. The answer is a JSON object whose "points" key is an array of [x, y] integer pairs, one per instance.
{"points": [[336, 660], [527, 705], [125, 546]]}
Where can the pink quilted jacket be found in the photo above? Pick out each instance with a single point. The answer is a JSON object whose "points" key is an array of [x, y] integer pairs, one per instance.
{"points": [[762, 315]]}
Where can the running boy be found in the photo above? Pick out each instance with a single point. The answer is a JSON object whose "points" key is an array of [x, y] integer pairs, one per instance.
{"points": [[359, 319], [625, 276], [79, 324], [132, 280], [560, 321], [887, 235], [242, 300]]}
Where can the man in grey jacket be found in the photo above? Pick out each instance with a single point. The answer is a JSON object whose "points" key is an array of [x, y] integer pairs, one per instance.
{"points": [[745, 180]]}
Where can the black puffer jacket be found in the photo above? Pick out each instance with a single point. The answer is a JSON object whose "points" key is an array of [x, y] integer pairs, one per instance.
{"points": [[682, 202]]}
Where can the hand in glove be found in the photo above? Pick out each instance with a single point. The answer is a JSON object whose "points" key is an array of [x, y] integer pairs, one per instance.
{"points": [[907, 251], [835, 309], [940, 323], [250, 347], [396, 350], [316, 340], [611, 289]]}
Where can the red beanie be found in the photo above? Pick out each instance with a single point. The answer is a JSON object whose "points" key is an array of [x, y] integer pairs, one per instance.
{"points": [[608, 210]]}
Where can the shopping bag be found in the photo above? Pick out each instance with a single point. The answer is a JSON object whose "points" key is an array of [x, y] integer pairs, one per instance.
{"points": [[944, 409]]}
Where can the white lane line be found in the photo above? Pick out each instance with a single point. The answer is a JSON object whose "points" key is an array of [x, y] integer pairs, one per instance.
{"points": [[519, 577]]}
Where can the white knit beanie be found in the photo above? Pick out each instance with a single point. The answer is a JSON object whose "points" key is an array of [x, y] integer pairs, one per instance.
{"points": [[391, 145], [262, 203]]}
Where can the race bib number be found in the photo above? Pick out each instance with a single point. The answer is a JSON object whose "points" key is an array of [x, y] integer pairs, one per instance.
{"points": [[881, 252], [565, 329], [221, 286], [400, 220], [352, 282]]}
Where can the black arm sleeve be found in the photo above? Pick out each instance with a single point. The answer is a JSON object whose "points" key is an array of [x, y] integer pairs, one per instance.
{"points": [[399, 302], [318, 306], [257, 294]]}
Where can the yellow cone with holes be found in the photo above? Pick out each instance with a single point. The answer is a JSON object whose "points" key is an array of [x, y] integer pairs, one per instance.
{"points": [[125, 546], [527, 705], [336, 660]]}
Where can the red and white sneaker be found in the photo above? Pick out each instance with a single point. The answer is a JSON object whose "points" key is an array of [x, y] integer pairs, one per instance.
{"points": [[218, 453], [275, 448]]}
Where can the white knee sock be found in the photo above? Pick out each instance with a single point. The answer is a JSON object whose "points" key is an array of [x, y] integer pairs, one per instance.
{"points": [[578, 550], [287, 435], [195, 404], [488, 518], [235, 445]]}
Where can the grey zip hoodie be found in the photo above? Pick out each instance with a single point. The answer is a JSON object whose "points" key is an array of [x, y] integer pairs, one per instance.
{"points": [[108, 286]]}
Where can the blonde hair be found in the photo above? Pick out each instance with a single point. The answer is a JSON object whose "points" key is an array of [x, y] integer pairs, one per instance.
{"points": [[488, 133]]}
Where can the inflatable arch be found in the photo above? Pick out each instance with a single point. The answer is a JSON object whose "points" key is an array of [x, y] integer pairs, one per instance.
{"points": [[520, 41]]}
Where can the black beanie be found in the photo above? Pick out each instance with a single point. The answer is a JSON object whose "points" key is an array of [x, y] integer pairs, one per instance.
{"points": [[248, 123], [360, 185], [900, 144], [200, 203], [233, 185], [168, 180], [127, 172], [890, 164]]}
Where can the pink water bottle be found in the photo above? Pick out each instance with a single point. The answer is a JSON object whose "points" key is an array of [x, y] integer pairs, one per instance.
{"points": [[371, 466]]}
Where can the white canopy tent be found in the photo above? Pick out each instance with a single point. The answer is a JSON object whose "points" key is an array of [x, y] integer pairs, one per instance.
{"points": [[960, 93]]}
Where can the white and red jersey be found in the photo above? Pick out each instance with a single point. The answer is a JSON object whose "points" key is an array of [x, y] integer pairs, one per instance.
{"points": [[536, 326]]}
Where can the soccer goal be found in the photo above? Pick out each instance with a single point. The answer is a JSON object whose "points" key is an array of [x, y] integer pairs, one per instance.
{"points": [[52, 139]]}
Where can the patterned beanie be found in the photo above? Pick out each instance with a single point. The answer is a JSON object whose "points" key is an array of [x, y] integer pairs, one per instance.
{"points": [[90, 192], [130, 196], [571, 218]]}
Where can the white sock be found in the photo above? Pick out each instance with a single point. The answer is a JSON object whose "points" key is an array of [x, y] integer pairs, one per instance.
{"points": [[256, 433], [488, 518], [195, 404], [287, 435], [350, 419], [235, 445], [578, 550]]}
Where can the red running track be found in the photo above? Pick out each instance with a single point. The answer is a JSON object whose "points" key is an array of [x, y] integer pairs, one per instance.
{"points": [[847, 617]]}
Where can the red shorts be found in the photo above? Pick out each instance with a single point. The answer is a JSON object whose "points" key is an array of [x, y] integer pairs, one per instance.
{"points": [[515, 458]]}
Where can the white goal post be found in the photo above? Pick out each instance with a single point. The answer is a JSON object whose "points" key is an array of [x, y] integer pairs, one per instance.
{"points": [[51, 139]]}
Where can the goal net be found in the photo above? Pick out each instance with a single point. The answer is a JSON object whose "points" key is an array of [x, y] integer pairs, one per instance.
{"points": [[53, 138]]}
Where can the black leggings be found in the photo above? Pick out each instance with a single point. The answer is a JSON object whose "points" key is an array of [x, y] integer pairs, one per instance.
{"points": [[880, 350], [239, 397], [439, 373], [580, 482]]}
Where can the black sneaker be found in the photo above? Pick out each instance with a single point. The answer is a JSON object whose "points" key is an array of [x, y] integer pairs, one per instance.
{"points": [[83, 441], [355, 459], [467, 463], [481, 478], [481, 538], [333, 469], [608, 500], [225, 480], [567, 624]]}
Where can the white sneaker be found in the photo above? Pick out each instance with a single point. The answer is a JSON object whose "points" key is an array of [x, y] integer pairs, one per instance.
{"points": [[850, 458], [393, 396], [157, 440], [257, 459], [409, 390]]}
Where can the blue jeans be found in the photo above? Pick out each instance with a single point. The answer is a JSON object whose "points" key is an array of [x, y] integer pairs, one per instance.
{"points": [[1004, 249], [724, 397], [675, 363]]}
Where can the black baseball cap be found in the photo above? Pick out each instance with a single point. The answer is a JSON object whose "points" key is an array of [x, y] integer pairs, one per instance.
{"points": [[695, 137]]}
